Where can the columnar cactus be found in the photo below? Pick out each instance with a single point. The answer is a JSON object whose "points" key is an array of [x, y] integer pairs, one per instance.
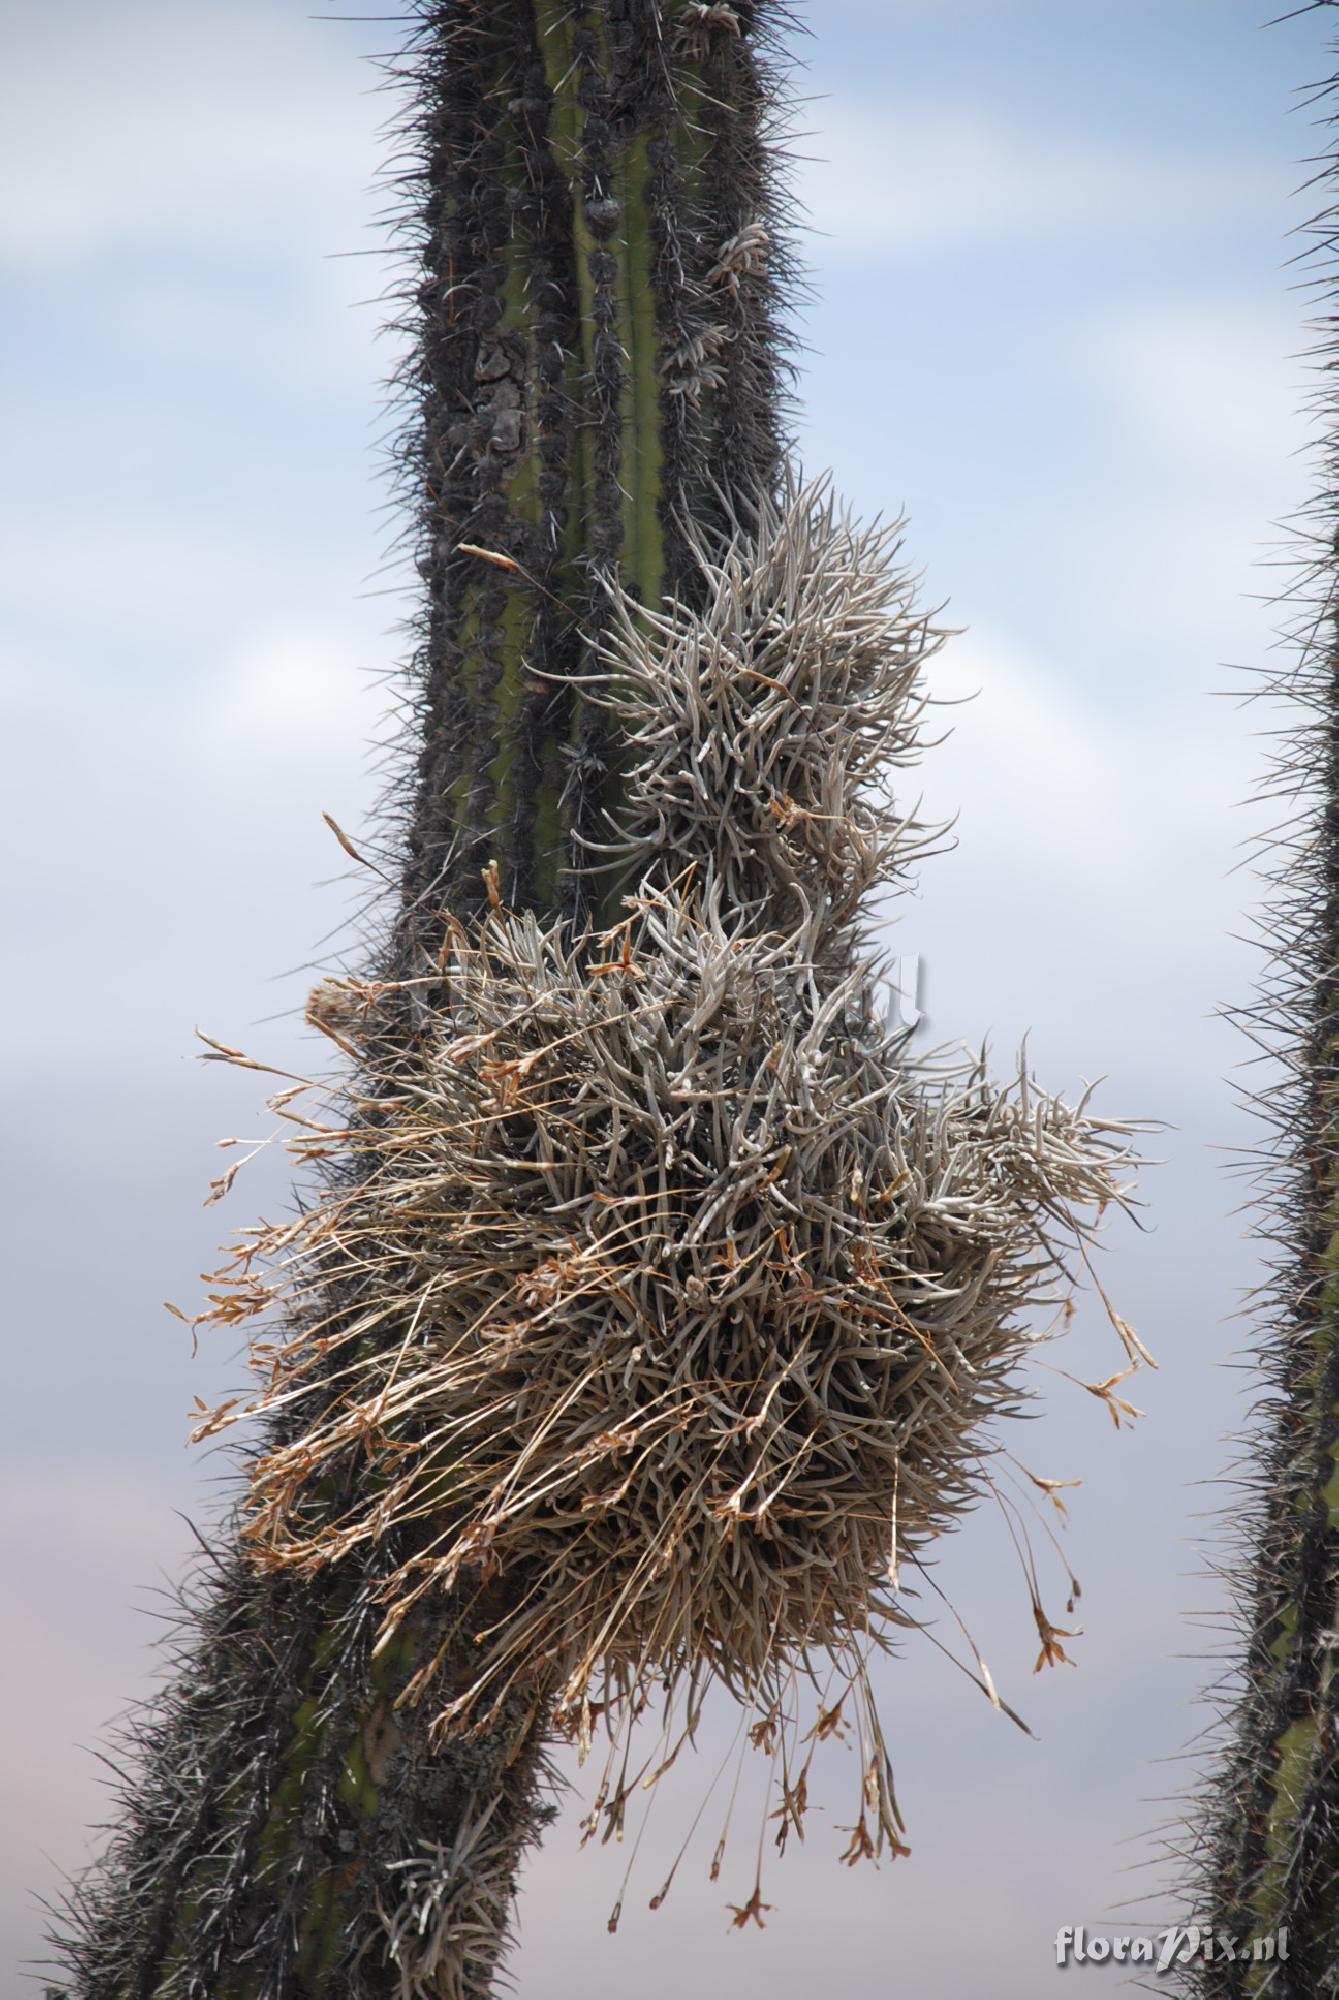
{"points": [[588, 194], [1267, 1861]]}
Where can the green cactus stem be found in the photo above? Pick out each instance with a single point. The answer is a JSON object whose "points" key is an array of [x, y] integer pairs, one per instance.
{"points": [[596, 258]]}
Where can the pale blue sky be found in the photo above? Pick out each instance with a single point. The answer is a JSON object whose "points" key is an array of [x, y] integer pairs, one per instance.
{"points": [[1052, 318]]}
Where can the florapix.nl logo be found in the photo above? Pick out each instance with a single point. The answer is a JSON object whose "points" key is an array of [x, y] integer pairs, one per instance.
{"points": [[1166, 1950]]}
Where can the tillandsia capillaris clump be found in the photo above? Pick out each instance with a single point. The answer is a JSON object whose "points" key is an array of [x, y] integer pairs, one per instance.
{"points": [[652, 1303], [682, 1293], [1262, 1866]]}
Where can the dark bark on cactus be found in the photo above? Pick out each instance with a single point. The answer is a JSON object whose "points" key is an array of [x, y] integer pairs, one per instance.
{"points": [[596, 258], [1267, 1859]]}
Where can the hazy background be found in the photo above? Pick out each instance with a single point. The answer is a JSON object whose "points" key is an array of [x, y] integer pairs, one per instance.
{"points": [[1053, 318]]}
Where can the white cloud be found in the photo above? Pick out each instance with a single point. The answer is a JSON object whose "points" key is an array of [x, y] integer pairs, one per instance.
{"points": [[1212, 385], [204, 126], [282, 696], [144, 570], [197, 837], [939, 174], [301, 321], [1089, 895]]}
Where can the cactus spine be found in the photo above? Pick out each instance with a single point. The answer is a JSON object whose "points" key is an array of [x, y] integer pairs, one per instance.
{"points": [[1266, 1869], [588, 193]]}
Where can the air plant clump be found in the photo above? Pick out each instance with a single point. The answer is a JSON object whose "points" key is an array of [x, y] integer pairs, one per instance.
{"points": [[764, 722], [703, 1292]]}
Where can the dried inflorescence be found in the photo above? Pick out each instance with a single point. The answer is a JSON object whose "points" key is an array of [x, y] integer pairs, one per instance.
{"points": [[657, 1274]]}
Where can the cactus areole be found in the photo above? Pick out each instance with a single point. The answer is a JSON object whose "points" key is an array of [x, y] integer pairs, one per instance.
{"points": [[653, 1299]]}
